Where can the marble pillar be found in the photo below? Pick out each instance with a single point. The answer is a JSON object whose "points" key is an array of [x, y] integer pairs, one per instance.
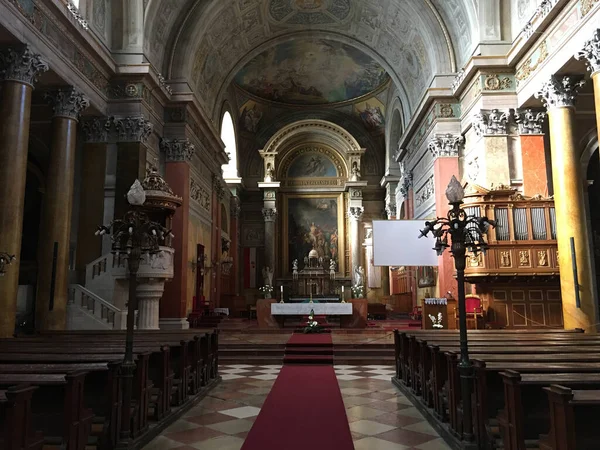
{"points": [[55, 229], [590, 53], [270, 217], [19, 68], [218, 195], [533, 153], [149, 293], [559, 94], [445, 150], [234, 233], [355, 214], [173, 306], [491, 168]]}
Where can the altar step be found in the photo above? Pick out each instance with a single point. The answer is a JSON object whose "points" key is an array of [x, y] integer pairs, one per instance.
{"points": [[312, 348]]}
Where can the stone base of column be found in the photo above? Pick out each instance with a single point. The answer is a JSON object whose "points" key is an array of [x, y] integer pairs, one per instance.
{"points": [[148, 296], [174, 324]]}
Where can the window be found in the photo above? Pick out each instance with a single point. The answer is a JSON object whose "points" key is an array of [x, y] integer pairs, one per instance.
{"points": [[228, 138], [75, 3]]}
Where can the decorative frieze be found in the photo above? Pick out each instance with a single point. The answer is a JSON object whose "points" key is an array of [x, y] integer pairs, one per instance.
{"points": [[406, 184], [495, 82], [115, 130], [163, 84], [200, 195], [586, 6], [530, 121], [540, 12], [67, 102], [356, 212], [425, 193], [458, 79], [355, 194], [445, 145], [218, 187], [269, 214], [74, 10], [560, 91], [494, 122], [21, 64], [177, 150], [591, 52]]}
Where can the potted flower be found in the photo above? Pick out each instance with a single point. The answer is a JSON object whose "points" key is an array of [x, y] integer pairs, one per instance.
{"points": [[312, 326], [267, 291], [358, 291]]}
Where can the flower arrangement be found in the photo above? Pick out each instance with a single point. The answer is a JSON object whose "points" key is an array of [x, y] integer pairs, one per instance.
{"points": [[358, 291], [267, 291], [312, 326], [437, 322]]}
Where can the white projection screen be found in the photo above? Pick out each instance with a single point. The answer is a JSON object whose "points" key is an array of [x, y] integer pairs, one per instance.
{"points": [[397, 243]]}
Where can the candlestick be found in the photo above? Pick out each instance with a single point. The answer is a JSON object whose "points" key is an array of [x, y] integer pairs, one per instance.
{"points": [[282, 289]]}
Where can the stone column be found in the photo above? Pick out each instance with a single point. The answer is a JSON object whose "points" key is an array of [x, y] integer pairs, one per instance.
{"points": [[445, 150], [355, 214], [591, 54], [19, 70], [148, 295], [234, 232], [533, 154], [173, 307], [270, 216], [55, 229], [559, 94], [218, 195]]}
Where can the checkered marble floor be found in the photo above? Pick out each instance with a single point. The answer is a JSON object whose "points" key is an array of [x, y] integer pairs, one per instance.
{"points": [[380, 417]]}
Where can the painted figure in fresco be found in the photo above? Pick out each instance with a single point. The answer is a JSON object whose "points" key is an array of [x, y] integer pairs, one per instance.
{"points": [[372, 117]]}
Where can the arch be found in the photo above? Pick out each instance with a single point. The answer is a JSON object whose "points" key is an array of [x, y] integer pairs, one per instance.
{"points": [[589, 144], [394, 130], [228, 136]]}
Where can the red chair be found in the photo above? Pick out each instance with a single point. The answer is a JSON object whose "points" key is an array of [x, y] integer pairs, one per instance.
{"points": [[417, 313], [474, 308]]}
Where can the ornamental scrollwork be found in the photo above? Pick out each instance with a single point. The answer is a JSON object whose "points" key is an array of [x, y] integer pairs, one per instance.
{"points": [[445, 145], [177, 150], [560, 91], [530, 121], [67, 102], [494, 122], [21, 64]]}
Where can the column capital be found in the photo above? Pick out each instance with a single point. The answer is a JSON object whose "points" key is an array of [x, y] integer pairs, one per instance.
{"points": [[269, 214], [591, 53], [235, 207], [445, 145], [218, 187], [356, 212], [67, 102], [530, 121], [560, 91], [132, 129], [391, 209], [22, 65], [407, 183], [177, 150], [491, 122], [95, 129]]}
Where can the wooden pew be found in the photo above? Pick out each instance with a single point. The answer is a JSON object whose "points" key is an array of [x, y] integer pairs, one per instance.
{"points": [[73, 424], [15, 413], [573, 419], [526, 414]]}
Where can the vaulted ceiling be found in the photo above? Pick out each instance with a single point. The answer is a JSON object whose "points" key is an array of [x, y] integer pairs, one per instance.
{"points": [[312, 51]]}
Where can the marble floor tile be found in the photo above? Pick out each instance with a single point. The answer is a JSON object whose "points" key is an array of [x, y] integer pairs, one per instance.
{"points": [[369, 428], [232, 426], [363, 412], [221, 443], [406, 437], [242, 412], [373, 443]]}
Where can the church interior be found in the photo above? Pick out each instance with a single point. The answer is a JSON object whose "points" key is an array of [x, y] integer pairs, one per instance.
{"points": [[190, 196]]}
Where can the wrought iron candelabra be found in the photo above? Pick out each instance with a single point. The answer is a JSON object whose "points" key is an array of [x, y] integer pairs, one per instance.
{"points": [[466, 235], [132, 237]]}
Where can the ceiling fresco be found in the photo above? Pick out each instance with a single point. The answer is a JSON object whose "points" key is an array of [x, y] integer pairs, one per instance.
{"points": [[309, 12], [311, 72]]}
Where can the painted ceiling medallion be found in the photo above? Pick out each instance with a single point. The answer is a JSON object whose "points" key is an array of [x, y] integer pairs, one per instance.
{"points": [[309, 12], [311, 72]]}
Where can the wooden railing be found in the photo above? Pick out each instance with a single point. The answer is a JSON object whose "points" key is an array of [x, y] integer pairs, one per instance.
{"points": [[523, 243]]}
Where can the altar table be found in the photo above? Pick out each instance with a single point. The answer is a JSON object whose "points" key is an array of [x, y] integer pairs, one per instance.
{"points": [[303, 309]]}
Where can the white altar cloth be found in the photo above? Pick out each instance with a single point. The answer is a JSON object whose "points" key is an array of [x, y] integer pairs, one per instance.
{"points": [[303, 309]]}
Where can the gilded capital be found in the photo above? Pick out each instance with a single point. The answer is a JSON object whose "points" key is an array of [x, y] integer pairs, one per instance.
{"points": [[356, 212], [21, 64], [560, 92], [67, 102], [177, 150], [445, 145], [491, 122], [591, 52], [269, 214]]}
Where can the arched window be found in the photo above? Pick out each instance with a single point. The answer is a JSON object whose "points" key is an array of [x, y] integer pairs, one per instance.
{"points": [[228, 137], [75, 2]]}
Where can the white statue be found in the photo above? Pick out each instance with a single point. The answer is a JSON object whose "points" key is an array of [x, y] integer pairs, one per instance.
{"points": [[269, 173], [355, 172], [359, 276], [332, 265], [267, 274], [136, 195], [295, 265]]}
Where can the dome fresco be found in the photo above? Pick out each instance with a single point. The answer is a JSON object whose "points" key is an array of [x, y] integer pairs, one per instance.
{"points": [[311, 72]]}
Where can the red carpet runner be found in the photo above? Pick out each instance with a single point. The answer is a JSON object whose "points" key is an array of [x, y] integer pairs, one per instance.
{"points": [[303, 411], [309, 349]]}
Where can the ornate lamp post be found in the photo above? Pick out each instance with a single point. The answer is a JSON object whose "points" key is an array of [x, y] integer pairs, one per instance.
{"points": [[132, 237], [467, 234], [5, 260]]}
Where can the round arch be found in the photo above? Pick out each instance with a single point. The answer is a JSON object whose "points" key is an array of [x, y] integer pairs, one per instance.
{"points": [[229, 138]]}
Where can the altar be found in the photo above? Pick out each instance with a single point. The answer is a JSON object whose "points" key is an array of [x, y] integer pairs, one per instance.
{"points": [[304, 309]]}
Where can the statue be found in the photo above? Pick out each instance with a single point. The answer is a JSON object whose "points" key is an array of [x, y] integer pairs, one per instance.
{"points": [[136, 195], [332, 265], [269, 174], [295, 265], [359, 276], [267, 274], [355, 172]]}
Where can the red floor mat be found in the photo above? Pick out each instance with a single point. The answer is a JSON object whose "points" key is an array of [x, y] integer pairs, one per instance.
{"points": [[303, 411]]}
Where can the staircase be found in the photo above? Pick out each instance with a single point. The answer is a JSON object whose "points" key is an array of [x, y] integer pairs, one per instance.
{"points": [[87, 311]]}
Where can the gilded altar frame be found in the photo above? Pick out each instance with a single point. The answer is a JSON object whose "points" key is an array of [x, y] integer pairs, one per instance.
{"points": [[341, 223]]}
